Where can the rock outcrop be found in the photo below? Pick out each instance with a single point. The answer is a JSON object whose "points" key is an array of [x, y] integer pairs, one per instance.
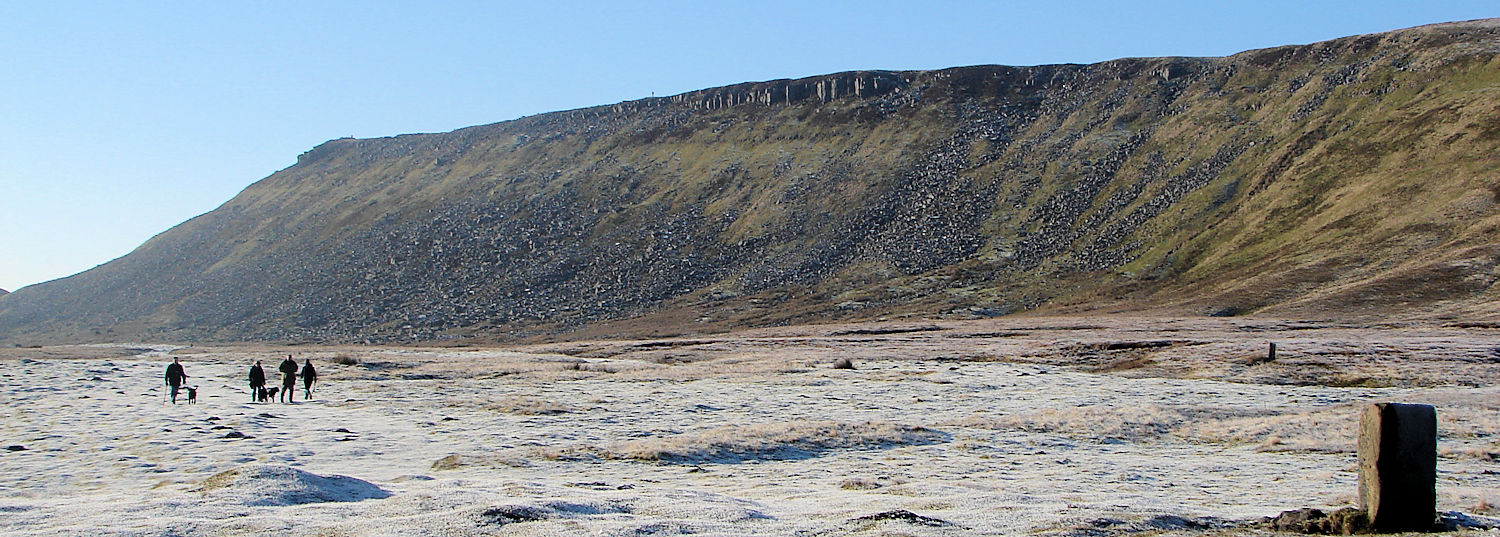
{"points": [[1354, 177]]}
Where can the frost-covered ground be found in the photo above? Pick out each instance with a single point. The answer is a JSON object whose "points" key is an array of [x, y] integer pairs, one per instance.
{"points": [[1051, 426]]}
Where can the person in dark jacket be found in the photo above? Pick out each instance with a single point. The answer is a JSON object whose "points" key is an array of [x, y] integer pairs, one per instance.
{"points": [[309, 377], [288, 371], [257, 381], [175, 377]]}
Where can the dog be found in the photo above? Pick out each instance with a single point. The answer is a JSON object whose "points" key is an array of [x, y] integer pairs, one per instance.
{"points": [[192, 394], [271, 393], [261, 395]]}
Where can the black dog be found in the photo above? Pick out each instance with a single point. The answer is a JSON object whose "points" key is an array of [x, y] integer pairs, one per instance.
{"points": [[192, 394], [260, 395], [270, 393]]}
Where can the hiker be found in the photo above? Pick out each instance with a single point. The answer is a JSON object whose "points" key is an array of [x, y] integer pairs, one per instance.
{"points": [[288, 371], [175, 377], [257, 381], [309, 377]]}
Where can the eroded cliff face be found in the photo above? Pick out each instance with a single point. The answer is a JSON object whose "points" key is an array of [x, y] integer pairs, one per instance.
{"points": [[1355, 177]]}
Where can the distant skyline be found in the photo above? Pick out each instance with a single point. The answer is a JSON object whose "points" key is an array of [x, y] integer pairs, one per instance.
{"points": [[123, 119]]}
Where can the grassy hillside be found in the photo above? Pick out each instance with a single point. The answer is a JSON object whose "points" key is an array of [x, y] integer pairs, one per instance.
{"points": [[1351, 178]]}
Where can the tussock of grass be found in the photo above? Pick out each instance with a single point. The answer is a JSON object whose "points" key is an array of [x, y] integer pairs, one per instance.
{"points": [[1490, 452], [767, 441], [1325, 430], [221, 479], [864, 483], [1098, 422], [503, 459], [451, 462], [1329, 429], [1335, 429], [521, 405]]}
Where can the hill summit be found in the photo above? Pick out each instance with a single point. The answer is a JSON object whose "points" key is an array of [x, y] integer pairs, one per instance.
{"points": [[1353, 178]]}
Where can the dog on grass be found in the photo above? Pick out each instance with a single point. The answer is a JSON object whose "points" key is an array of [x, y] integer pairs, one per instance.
{"points": [[192, 394]]}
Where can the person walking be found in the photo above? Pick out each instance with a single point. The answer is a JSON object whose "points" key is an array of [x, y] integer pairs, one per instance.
{"points": [[175, 377], [288, 371], [309, 377], [257, 381]]}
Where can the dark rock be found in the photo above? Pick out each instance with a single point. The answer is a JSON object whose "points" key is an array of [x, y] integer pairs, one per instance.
{"points": [[1228, 311], [600, 485], [902, 515], [235, 434], [1346, 521], [1174, 522], [843, 363], [16, 447], [511, 514]]}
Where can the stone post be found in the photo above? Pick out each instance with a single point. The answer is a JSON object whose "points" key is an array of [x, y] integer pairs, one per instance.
{"points": [[1398, 466]]}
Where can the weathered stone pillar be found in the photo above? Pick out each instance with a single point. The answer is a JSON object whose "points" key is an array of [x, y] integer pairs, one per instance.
{"points": [[1398, 466]]}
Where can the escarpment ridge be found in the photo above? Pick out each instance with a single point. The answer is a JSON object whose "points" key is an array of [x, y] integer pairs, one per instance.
{"points": [[1350, 178]]}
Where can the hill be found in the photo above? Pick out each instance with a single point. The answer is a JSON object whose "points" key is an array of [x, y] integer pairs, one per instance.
{"points": [[1355, 178]]}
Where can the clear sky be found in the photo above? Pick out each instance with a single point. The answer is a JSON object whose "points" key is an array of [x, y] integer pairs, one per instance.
{"points": [[119, 120]]}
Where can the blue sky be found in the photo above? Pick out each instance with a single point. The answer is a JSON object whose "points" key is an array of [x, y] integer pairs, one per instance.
{"points": [[119, 120]]}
